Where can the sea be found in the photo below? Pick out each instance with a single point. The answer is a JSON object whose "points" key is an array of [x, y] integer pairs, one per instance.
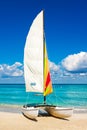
{"points": [[74, 95]]}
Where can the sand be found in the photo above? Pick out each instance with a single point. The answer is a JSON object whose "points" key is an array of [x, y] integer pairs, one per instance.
{"points": [[16, 121]]}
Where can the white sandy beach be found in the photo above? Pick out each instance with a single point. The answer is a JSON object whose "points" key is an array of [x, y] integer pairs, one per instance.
{"points": [[16, 121]]}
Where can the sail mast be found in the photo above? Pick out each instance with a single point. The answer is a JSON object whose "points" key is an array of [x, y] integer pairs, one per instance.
{"points": [[43, 58]]}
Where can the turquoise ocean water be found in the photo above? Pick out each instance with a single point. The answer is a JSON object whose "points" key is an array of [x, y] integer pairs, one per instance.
{"points": [[63, 94]]}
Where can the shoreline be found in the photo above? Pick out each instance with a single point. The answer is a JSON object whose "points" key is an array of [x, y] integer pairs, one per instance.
{"points": [[18, 108]]}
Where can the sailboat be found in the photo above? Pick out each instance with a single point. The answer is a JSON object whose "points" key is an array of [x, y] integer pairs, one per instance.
{"points": [[36, 70]]}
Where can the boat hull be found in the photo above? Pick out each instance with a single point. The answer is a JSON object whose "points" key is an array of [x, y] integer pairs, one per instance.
{"points": [[59, 112], [30, 112]]}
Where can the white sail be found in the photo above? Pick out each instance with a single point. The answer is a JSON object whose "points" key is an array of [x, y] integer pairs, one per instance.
{"points": [[33, 56]]}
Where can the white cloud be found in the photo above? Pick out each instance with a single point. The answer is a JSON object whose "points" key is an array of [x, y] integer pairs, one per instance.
{"points": [[1, 68], [53, 66], [76, 63], [7, 71], [72, 69], [73, 72], [83, 74]]}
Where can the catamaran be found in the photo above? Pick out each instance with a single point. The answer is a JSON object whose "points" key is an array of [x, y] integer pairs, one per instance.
{"points": [[36, 70]]}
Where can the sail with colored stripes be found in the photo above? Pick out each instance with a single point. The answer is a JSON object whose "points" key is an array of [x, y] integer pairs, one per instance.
{"points": [[36, 68], [47, 77]]}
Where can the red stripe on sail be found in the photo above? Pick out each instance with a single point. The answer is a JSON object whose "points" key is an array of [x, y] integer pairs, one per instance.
{"points": [[48, 79]]}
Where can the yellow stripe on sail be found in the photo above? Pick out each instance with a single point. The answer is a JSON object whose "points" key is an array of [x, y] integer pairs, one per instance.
{"points": [[48, 89], [47, 78]]}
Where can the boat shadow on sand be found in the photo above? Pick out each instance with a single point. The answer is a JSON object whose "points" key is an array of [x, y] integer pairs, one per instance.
{"points": [[44, 113]]}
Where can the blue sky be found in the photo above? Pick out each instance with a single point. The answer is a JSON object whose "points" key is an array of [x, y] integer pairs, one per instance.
{"points": [[66, 37]]}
